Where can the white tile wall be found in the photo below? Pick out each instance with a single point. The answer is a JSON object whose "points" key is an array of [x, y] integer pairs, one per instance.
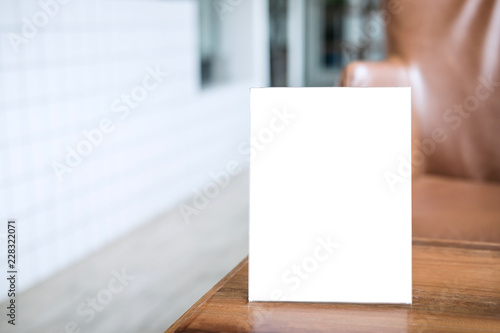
{"points": [[63, 82]]}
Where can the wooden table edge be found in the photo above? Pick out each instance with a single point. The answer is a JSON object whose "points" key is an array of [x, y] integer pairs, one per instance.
{"points": [[415, 241], [182, 319], [456, 243]]}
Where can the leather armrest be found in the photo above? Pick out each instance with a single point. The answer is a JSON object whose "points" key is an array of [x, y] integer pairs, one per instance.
{"points": [[390, 73]]}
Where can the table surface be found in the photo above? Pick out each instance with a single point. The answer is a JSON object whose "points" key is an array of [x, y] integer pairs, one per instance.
{"points": [[456, 287]]}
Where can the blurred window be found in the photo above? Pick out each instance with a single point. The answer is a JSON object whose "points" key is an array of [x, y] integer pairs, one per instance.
{"points": [[338, 32]]}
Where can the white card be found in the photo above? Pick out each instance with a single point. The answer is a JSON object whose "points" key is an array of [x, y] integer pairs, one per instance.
{"points": [[325, 223]]}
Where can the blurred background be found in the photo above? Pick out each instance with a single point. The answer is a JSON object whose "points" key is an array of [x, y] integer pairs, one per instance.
{"points": [[124, 144]]}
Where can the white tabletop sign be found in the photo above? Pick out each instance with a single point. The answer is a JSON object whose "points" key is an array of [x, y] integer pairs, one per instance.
{"points": [[330, 195]]}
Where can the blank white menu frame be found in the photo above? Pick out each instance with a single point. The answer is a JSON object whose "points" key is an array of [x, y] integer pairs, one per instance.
{"points": [[330, 195]]}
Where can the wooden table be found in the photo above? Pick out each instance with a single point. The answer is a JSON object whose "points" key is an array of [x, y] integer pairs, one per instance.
{"points": [[456, 287]]}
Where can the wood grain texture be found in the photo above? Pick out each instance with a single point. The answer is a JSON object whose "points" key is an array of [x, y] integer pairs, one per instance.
{"points": [[456, 287]]}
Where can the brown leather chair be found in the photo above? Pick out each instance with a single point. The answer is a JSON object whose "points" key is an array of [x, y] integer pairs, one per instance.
{"points": [[448, 51]]}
